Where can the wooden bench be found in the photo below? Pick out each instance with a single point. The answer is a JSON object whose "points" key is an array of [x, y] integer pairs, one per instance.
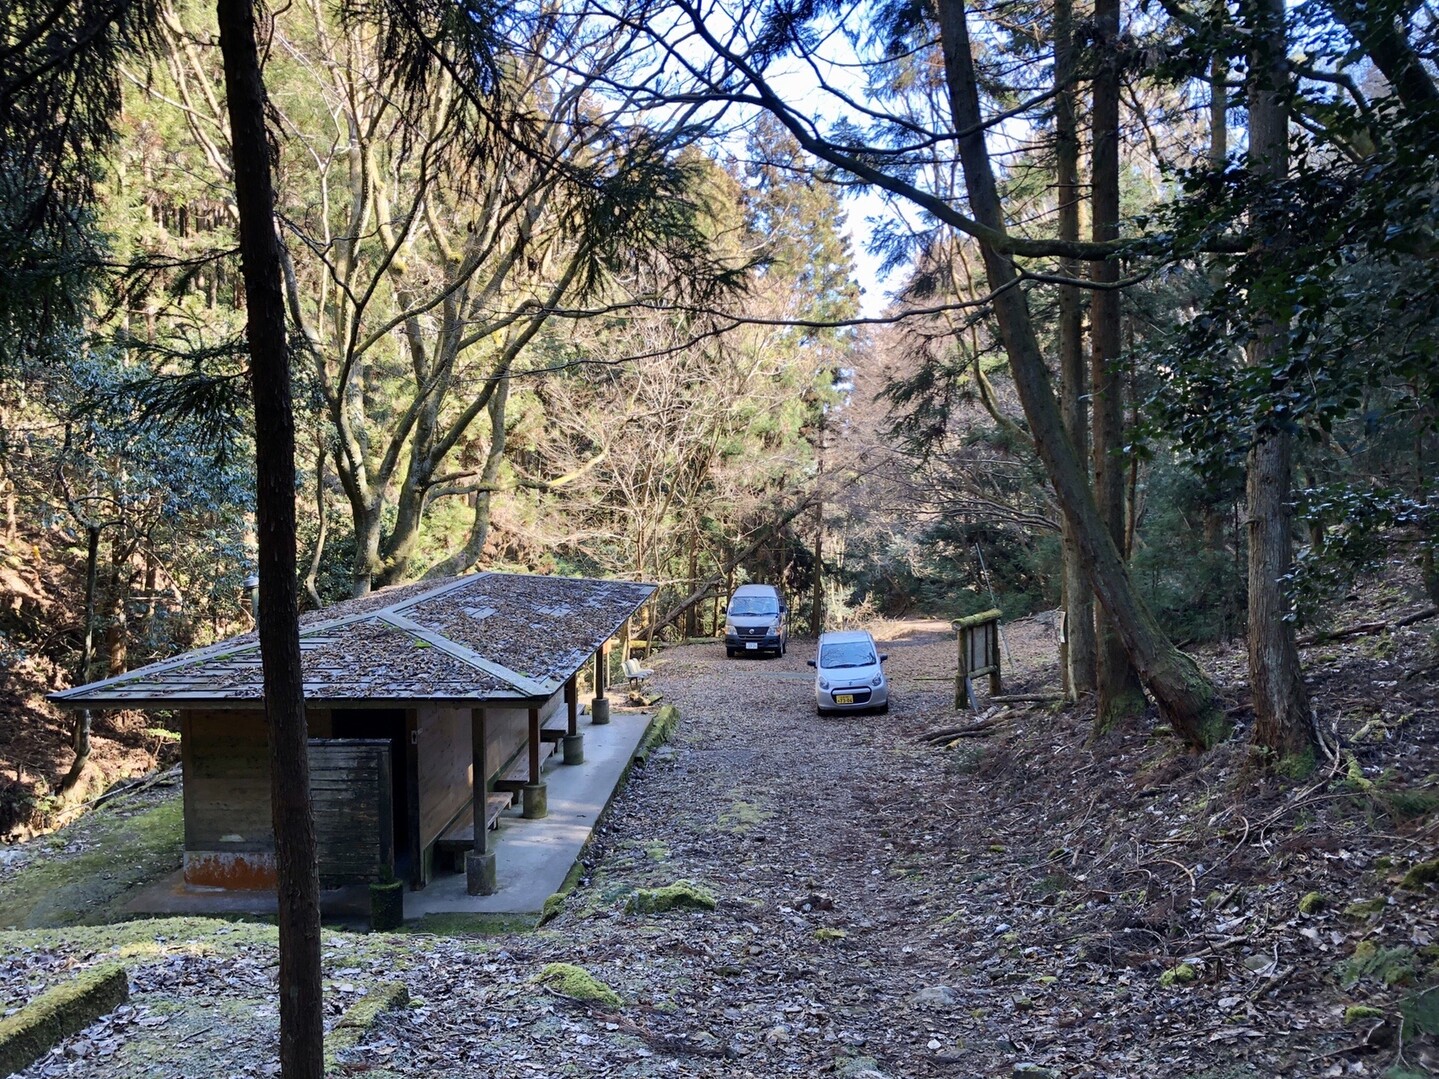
{"points": [[459, 838]]}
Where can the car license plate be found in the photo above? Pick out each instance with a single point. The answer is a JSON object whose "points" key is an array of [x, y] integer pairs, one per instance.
{"points": [[751, 644], [844, 698]]}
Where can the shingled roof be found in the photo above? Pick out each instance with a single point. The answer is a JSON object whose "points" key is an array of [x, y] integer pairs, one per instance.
{"points": [[466, 640]]}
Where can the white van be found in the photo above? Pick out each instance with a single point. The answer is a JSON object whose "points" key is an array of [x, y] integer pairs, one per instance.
{"points": [[755, 621]]}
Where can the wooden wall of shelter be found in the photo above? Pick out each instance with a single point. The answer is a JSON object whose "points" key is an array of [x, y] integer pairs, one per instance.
{"points": [[426, 785]]}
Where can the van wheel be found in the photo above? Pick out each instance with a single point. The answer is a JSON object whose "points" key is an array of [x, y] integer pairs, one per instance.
{"points": [[729, 652], [783, 645]]}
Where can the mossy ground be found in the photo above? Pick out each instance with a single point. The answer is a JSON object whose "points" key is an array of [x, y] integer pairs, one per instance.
{"points": [[578, 984], [123, 853]]}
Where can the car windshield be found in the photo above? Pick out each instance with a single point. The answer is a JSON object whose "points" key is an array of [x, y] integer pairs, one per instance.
{"points": [[748, 605], [847, 654]]}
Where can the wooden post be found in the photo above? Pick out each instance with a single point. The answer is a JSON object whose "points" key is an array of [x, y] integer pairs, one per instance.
{"points": [[961, 674], [481, 772], [534, 746], [995, 686], [574, 741], [534, 795], [600, 706]]}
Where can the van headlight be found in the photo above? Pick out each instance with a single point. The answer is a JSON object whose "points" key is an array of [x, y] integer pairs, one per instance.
{"points": [[729, 629], [774, 629]]}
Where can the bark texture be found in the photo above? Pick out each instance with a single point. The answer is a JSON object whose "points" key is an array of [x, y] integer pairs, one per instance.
{"points": [[1120, 696], [1077, 658], [302, 1031], [1283, 718], [1184, 694]]}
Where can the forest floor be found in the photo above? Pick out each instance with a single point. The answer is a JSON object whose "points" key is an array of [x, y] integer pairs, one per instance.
{"points": [[1014, 902]]}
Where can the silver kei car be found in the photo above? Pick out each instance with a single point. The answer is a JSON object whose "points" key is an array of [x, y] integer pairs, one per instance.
{"points": [[848, 675]]}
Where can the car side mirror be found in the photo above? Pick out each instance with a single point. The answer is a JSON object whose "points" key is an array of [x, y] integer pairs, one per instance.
{"points": [[809, 662], [883, 656]]}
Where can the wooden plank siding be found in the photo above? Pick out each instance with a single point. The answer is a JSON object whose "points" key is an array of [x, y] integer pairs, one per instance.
{"points": [[229, 834], [351, 789], [444, 768]]}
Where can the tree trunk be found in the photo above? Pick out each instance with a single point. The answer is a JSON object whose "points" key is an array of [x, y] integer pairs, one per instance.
{"points": [[1283, 720], [80, 736], [474, 546], [1120, 696], [368, 518], [1077, 658], [1184, 694], [322, 529], [302, 1030]]}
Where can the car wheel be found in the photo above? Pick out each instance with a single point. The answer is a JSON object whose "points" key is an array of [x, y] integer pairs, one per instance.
{"points": [[820, 712], [884, 709]]}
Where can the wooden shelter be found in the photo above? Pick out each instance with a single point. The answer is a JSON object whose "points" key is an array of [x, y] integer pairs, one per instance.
{"points": [[411, 693]]}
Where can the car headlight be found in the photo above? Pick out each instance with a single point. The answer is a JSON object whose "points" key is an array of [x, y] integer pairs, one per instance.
{"points": [[824, 683], [877, 680]]}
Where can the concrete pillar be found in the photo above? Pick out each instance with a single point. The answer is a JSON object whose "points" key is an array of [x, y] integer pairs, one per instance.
{"points": [[536, 798], [600, 711], [480, 873], [574, 745]]}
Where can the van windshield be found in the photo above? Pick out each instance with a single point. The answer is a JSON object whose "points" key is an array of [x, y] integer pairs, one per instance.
{"points": [[751, 605]]}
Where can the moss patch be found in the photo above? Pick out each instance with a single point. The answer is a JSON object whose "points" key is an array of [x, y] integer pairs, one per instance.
{"points": [[1419, 875], [741, 816], [352, 1027], [661, 729], [1366, 908], [825, 933], [1313, 903], [578, 984], [459, 924], [58, 1013], [126, 853], [1361, 1013], [682, 893], [1182, 974]]}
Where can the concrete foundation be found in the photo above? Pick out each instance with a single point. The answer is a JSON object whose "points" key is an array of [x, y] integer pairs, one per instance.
{"points": [[480, 875], [600, 711], [574, 746], [536, 798]]}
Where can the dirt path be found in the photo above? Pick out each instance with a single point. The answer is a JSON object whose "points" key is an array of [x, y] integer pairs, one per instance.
{"points": [[884, 908]]}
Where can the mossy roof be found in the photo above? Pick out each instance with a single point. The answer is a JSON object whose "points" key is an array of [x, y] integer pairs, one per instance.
{"points": [[466, 640]]}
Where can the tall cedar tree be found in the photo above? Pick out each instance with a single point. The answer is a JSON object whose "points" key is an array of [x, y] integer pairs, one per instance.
{"points": [[1184, 695], [1120, 696], [1283, 719], [302, 1029]]}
